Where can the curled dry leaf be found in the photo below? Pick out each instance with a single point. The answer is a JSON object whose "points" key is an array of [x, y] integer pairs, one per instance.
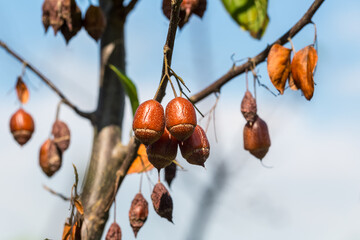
{"points": [[79, 206], [170, 173], [75, 233], [22, 126], [162, 201], [187, 8], [248, 107], [141, 163], [138, 212], [22, 91], [278, 65], [50, 157], [302, 70], [257, 138], [95, 22], [61, 134], [114, 232]]}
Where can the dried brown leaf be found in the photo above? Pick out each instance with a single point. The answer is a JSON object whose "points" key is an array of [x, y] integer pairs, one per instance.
{"points": [[79, 206], [278, 65], [75, 233], [141, 163], [302, 70]]}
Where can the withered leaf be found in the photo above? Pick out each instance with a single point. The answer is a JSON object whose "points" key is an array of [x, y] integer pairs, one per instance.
{"points": [[138, 212], [22, 91], [248, 107], [79, 206], [302, 70], [162, 201], [170, 173], [141, 163], [95, 22], [52, 15], [114, 232], [278, 65], [292, 85], [75, 233], [61, 134]]}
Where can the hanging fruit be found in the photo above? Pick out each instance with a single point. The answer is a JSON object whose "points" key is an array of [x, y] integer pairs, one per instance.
{"points": [[22, 126], [50, 157], [248, 107], [162, 152], [170, 173], [162, 201], [95, 22], [114, 232], [61, 134], [302, 70], [279, 66], [22, 91], [180, 118], [196, 148], [256, 138], [138, 212], [149, 122]]}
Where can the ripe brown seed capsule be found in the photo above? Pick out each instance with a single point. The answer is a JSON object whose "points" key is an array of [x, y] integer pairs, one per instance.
{"points": [[256, 138], [114, 232], [162, 152], [61, 134], [196, 149], [149, 122], [180, 117], [22, 126], [95, 22], [138, 213], [248, 107], [50, 157], [162, 201], [170, 173]]}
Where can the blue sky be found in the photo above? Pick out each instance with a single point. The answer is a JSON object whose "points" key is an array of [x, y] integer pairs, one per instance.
{"points": [[312, 191]]}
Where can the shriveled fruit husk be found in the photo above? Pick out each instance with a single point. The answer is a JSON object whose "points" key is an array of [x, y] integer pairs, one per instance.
{"points": [[114, 232], [170, 173], [248, 107], [95, 22], [72, 20], [61, 134], [138, 213], [50, 157], [162, 201]]}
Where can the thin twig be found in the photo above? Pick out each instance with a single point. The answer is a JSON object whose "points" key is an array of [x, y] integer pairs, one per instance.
{"points": [[235, 71], [66, 101], [63, 197]]}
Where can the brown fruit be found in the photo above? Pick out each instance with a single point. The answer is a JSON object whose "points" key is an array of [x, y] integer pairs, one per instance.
{"points": [[50, 157], [162, 152], [302, 70], [196, 149], [256, 138], [149, 122], [114, 232], [170, 173], [22, 126], [162, 201], [180, 117], [95, 22], [138, 213], [61, 134], [22, 91], [278, 65], [248, 107]]}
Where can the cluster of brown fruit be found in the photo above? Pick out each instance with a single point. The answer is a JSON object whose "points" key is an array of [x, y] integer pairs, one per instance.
{"points": [[256, 133], [65, 15], [299, 71], [50, 156], [162, 133]]}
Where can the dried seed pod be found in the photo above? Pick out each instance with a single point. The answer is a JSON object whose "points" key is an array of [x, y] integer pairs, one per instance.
{"points": [[22, 126], [170, 173], [162, 201], [196, 149], [149, 122], [22, 91], [50, 157], [180, 117], [302, 70], [256, 138], [248, 107], [72, 19], [52, 15], [162, 152], [114, 232], [61, 134], [95, 22], [138, 213], [278, 65]]}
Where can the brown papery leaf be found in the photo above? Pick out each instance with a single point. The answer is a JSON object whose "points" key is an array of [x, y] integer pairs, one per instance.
{"points": [[22, 91], [75, 233], [278, 65], [141, 163], [292, 85], [302, 70], [52, 15]]}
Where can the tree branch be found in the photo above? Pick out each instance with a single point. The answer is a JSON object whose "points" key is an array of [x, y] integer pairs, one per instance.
{"points": [[130, 6], [87, 115], [233, 72]]}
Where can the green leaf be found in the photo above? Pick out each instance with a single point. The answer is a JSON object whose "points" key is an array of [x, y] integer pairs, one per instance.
{"points": [[129, 87], [251, 15]]}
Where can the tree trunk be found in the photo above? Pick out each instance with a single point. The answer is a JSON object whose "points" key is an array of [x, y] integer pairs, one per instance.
{"points": [[98, 187]]}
